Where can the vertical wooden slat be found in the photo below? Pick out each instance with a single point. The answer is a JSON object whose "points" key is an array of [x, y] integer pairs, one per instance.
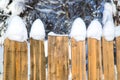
{"points": [[24, 61], [58, 58], [37, 58], [118, 56], [18, 62], [78, 60], [108, 60], [94, 60], [9, 60], [15, 67], [99, 61]]}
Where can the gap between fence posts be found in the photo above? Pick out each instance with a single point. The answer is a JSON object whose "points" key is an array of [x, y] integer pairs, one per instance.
{"points": [[108, 59], [118, 56], [15, 60], [58, 57], [37, 60], [78, 60], [94, 59]]}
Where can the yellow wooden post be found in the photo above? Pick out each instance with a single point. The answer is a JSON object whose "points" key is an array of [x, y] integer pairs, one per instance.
{"points": [[78, 60], [118, 56], [94, 59], [108, 60], [15, 60], [37, 60], [58, 57]]}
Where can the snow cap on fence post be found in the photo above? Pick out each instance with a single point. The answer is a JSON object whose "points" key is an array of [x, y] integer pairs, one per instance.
{"points": [[37, 30], [78, 31], [117, 31], [16, 29], [109, 31], [94, 30]]}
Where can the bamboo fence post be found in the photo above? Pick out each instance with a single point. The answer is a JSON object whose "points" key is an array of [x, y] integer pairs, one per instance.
{"points": [[37, 60], [108, 59], [15, 60], [58, 57], [78, 60], [94, 59], [118, 56]]}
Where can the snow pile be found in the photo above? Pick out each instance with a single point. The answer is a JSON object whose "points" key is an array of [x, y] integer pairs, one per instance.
{"points": [[16, 30], [109, 31], [107, 13], [117, 31], [1, 40], [17, 7], [78, 31], [114, 10], [94, 30], [37, 30], [3, 4]]}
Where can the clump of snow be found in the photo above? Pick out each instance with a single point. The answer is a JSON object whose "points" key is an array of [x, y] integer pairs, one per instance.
{"points": [[118, 2], [109, 31], [94, 30], [3, 4], [107, 13], [117, 31], [1, 40], [114, 10], [17, 7], [78, 31], [16, 30], [37, 30], [54, 34]]}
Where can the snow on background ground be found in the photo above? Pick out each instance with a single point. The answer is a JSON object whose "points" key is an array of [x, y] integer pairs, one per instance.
{"points": [[1, 62]]}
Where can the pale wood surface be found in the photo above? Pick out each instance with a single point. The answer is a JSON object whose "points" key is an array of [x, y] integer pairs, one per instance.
{"points": [[15, 60], [78, 60], [58, 58], [94, 60], [108, 60], [37, 60], [118, 57]]}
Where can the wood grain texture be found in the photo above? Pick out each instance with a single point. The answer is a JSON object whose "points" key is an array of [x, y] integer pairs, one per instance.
{"points": [[118, 56], [37, 60], [78, 60], [58, 58], [108, 60], [15, 66], [94, 60]]}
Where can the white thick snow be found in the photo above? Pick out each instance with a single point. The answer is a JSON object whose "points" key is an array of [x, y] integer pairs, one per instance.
{"points": [[17, 7], [114, 10], [117, 31], [109, 31], [94, 30], [118, 2], [1, 60], [78, 31], [107, 13], [37, 30], [16, 30], [54, 34], [3, 4]]}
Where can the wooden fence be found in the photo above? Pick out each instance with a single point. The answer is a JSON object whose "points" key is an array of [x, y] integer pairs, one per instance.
{"points": [[101, 62]]}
